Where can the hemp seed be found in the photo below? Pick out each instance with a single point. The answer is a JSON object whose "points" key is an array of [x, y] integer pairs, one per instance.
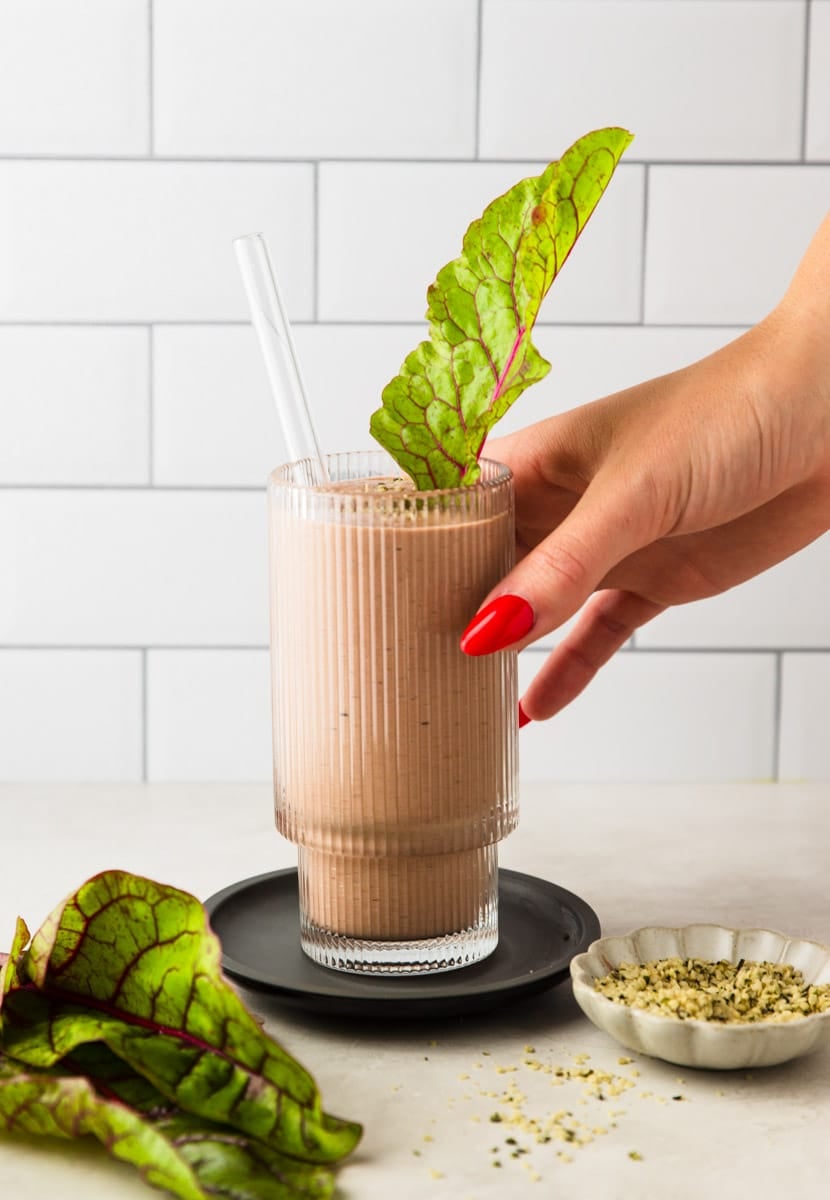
{"points": [[694, 989]]}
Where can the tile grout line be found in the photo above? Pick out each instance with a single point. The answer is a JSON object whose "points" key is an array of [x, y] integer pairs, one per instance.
{"points": [[202, 647], [108, 648], [477, 97], [707, 649], [777, 704], [151, 70], [245, 489], [144, 715], [151, 405], [356, 322], [315, 244], [805, 83], [438, 160], [646, 179]]}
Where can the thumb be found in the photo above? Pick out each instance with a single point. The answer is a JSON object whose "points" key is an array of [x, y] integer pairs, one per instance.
{"points": [[554, 580]]}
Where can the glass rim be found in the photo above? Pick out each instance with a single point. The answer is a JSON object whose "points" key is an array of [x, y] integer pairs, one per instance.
{"points": [[279, 478]]}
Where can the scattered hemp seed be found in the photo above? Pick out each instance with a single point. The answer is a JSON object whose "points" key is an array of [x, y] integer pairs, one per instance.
{"points": [[635, 1156], [693, 989], [533, 1131]]}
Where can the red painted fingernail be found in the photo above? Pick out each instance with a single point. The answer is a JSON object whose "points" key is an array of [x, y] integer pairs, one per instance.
{"points": [[524, 719], [500, 623]]}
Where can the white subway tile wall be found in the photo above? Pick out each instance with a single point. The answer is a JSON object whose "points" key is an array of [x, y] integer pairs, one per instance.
{"points": [[318, 78], [214, 421], [653, 717], [723, 242], [372, 255], [208, 715], [138, 138], [74, 402], [594, 361], [134, 567], [804, 745], [786, 607], [126, 241], [71, 715], [74, 77], [214, 424], [679, 74], [818, 86]]}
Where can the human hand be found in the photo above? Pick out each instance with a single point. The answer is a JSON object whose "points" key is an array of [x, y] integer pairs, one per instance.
{"points": [[667, 492]]}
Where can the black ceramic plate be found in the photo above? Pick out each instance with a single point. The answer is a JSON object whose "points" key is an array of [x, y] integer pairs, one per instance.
{"points": [[541, 928]]}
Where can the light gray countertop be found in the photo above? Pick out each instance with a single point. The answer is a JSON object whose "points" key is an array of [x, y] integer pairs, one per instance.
{"points": [[754, 854]]}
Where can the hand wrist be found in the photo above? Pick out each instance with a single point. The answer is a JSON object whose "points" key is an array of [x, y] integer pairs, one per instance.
{"points": [[792, 354], [802, 319]]}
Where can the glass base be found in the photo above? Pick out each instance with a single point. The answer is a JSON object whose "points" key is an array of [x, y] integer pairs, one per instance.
{"points": [[423, 956], [405, 915]]}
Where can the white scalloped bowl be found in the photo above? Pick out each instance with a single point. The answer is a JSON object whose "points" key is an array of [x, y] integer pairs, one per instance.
{"points": [[693, 1043]]}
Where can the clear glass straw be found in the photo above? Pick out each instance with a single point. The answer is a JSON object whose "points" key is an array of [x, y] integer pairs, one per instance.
{"points": [[277, 344]]}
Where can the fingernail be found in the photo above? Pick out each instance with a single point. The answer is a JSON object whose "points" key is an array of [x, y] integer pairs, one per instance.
{"points": [[524, 719], [502, 622]]}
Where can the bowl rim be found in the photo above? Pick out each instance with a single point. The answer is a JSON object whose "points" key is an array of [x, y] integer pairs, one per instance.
{"points": [[582, 979]]}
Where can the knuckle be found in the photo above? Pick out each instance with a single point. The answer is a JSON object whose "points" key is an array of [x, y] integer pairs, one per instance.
{"points": [[564, 563], [618, 629], [580, 663]]}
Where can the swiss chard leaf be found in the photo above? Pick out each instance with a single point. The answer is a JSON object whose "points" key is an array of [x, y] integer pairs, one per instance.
{"points": [[133, 964], [436, 413], [10, 963], [174, 1151]]}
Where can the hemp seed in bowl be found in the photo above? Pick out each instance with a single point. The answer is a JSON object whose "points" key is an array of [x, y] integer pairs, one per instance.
{"points": [[707, 995], [693, 988]]}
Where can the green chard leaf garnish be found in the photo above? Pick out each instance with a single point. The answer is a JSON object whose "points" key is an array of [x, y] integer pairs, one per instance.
{"points": [[173, 1150], [116, 1022], [436, 414]]}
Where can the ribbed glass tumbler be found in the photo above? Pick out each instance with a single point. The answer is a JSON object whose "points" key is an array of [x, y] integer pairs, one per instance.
{"points": [[394, 753]]}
